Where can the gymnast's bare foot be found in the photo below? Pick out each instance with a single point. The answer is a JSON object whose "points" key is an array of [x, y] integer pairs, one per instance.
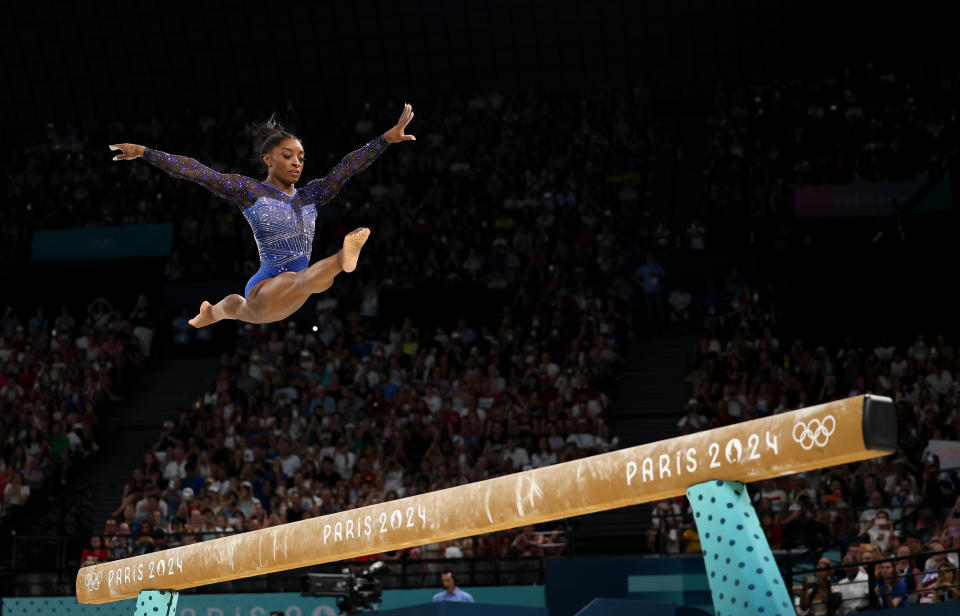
{"points": [[205, 317], [352, 243]]}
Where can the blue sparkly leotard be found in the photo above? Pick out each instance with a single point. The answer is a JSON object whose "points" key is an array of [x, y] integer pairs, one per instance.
{"points": [[282, 224]]}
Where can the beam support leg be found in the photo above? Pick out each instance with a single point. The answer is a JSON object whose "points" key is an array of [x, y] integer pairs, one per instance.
{"points": [[743, 575], [157, 603]]}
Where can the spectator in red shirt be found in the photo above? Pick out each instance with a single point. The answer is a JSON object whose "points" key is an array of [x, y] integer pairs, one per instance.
{"points": [[94, 553]]}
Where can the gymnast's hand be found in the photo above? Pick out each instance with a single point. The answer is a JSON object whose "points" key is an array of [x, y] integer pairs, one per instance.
{"points": [[395, 134], [128, 151]]}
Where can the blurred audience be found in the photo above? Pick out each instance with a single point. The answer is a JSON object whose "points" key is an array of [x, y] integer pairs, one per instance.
{"points": [[56, 377], [863, 124]]}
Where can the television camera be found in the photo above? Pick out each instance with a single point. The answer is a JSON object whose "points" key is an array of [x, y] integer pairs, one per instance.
{"points": [[356, 593]]}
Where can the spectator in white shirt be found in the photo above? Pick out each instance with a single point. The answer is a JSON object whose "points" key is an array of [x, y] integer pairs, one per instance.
{"points": [[289, 460], [898, 367], [679, 302], [693, 421], [16, 493], [603, 441], [866, 517], [854, 588], [148, 504], [344, 460], [770, 490], [175, 466], [248, 502], [544, 456], [518, 456], [919, 349], [934, 561], [880, 530], [939, 381], [581, 438]]}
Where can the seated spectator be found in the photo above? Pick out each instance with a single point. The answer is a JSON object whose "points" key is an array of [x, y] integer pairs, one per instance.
{"points": [[528, 542], [817, 596], [770, 491], [869, 555], [665, 532], [155, 542], [120, 545], [880, 530], [694, 420], [891, 590], [854, 587], [517, 456], [149, 504], [581, 438], [929, 579], [907, 571], [95, 552], [16, 493], [875, 506], [947, 583], [544, 456], [934, 561], [32, 475]]}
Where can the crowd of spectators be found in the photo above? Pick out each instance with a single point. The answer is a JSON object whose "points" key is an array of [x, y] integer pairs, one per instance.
{"points": [[366, 408], [891, 507], [866, 123], [57, 374]]}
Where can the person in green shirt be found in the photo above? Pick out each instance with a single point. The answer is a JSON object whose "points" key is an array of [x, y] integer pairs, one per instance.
{"points": [[59, 442]]}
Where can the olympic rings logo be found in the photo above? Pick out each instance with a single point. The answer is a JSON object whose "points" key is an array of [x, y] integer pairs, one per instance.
{"points": [[93, 580], [817, 432]]}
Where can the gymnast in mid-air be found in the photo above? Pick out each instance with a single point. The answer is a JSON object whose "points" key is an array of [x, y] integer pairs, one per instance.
{"points": [[282, 217]]}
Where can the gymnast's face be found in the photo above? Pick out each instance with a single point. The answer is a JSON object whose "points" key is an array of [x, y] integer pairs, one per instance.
{"points": [[285, 161]]}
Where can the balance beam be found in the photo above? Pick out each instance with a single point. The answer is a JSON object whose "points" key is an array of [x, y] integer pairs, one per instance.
{"points": [[838, 432]]}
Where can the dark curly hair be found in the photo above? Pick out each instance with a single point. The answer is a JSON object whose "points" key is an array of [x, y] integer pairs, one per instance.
{"points": [[266, 136]]}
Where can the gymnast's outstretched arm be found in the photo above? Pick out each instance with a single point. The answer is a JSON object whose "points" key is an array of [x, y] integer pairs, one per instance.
{"points": [[239, 188], [326, 188]]}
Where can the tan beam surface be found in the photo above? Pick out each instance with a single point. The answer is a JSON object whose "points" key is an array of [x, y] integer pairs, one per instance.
{"points": [[826, 435]]}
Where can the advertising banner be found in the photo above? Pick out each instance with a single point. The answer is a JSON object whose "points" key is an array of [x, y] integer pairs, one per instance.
{"points": [[868, 199]]}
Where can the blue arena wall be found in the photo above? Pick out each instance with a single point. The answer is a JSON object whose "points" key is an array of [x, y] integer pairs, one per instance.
{"points": [[95, 243], [641, 596], [574, 583], [509, 601]]}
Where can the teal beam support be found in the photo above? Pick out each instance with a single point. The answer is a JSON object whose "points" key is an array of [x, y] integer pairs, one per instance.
{"points": [[743, 575], [157, 603]]}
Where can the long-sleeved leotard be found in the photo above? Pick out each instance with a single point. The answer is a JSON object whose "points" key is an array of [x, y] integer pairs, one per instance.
{"points": [[283, 225]]}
